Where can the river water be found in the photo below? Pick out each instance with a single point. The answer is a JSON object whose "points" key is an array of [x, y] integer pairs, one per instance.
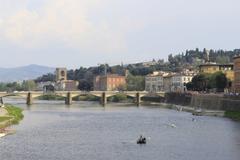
{"points": [[87, 131]]}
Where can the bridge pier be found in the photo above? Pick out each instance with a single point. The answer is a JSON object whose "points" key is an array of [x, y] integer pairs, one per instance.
{"points": [[104, 99], [138, 99], [29, 98], [68, 99]]}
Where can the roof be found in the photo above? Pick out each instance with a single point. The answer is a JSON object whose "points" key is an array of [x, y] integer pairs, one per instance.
{"points": [[236, 57], [111, 75], [214, 64]]}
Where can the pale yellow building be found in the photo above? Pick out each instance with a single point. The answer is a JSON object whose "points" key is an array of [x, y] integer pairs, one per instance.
{"points": [[212, 68]]}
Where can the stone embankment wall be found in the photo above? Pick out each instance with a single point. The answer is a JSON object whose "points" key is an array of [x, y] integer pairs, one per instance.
{"points": [[178, 98], [205, 101], [216, 102]]}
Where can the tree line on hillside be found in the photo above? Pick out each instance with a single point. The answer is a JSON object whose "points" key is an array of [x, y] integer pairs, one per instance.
{"points": [[190, 59], [135, 80], [85, 76], [28, 85], [193, 58]]}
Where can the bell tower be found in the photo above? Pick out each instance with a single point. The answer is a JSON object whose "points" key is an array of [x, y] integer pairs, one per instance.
{"points": [[61, 74]]}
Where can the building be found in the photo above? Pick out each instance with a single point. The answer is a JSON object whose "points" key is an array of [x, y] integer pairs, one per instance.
{"points": [[212, 68], [236, 74], [109, 82], [46, 86], [179, 82], [67, 85], [155, 82], [62, 83], [61, 74], [167, 82]]}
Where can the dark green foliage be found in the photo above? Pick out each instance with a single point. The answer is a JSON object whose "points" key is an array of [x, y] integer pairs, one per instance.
{"points": [[204, 82], [199, 82], [221, 81], [235, 115], [118, 97], [135, 83], [51, 97], [46, 78], [89, 98], [85, 85]]}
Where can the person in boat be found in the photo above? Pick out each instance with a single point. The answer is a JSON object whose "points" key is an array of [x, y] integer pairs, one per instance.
{"points": [[141, 140]]}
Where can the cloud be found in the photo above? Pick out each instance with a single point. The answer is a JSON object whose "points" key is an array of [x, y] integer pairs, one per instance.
{"points": [[67, 22]]}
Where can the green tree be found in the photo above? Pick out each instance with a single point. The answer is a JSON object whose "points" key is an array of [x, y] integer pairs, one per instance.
{"points": [[200, 82], [135, 83], [84, 85], [29, 85], [221, 81]]}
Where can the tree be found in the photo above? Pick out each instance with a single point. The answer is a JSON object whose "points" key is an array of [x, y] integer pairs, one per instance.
{"points": [[200, 82], [135, 83], [47, 77], [203, 82], [29, 85], [222, 59], [221, 81], [189, 86], [84, 85]]}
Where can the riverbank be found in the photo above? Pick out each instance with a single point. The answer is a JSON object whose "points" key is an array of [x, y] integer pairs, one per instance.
{"points": [[9, 115], [207, 104]]}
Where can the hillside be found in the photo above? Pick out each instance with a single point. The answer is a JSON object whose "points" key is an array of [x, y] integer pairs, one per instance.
{"points": [[23, 73]]}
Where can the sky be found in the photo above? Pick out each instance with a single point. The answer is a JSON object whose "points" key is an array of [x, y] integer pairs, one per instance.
{"points": [[74, 33]]}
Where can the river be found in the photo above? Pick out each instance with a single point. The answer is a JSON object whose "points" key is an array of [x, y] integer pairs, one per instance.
{"points": [[87, 131]]}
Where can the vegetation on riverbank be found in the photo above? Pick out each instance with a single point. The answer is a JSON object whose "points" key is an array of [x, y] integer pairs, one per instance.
{"points": [[50, 97], [235, 115], [15, 113], [4, 118], [86, 98], [118, 98], [13, 116]]}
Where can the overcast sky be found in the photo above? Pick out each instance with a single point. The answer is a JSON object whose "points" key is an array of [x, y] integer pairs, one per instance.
{"points": [[75, 33]]}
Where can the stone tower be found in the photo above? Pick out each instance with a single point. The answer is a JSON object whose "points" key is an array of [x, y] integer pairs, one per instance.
{"points": [[61, 74]]}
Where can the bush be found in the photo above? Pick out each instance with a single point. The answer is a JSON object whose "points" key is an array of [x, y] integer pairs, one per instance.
{"points": [[235, 115], [15, 112], [118, 98]]}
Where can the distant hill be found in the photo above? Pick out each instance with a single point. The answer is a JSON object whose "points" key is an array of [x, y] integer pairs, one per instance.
{"points": [[23, 73]]}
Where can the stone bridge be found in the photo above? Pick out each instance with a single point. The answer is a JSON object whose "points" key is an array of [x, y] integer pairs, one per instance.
{"points": [[30, 95]]}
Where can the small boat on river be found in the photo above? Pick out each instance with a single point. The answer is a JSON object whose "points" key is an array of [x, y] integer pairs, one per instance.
{"points": [[141, 140]]}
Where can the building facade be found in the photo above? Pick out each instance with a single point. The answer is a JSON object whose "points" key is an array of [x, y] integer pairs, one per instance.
{"points": [[66, 85], [167, 81], [155, 82], [179, 82], [212, 68], [237, 74], [110, 82]]}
